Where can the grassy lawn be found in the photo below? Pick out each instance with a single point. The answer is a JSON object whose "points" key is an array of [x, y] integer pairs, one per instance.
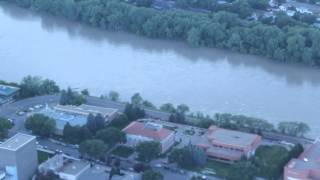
{"points": [[122, 151], [221, 169], [43, 156]]}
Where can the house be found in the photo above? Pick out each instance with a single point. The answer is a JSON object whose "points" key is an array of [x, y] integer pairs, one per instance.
{"points": [[137, 132], [7, 93], [18, 157], [66, 169], [74, 169], [228, 145], [307, 166], [76, 115]]}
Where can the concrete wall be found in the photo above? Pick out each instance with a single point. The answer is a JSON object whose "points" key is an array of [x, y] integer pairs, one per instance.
{"points": [[22, 162]]}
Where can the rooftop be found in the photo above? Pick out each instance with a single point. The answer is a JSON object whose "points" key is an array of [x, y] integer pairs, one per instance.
{"points": [[231, 138], [85, 110], [63, 118], [150, 130], [75, 167], [7, 90], [102, 173], [16, 142], [308, 160]]}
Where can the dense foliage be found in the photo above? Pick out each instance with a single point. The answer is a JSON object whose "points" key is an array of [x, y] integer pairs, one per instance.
{"points": [[69, 97], [111, 136], [93, 148], [188, 157], [148, 151], [5, 125], [95, 123], [268, 162], [151, 175], [40, 125], [35, 86], [286, 41], [293, 128], [76, 134]]}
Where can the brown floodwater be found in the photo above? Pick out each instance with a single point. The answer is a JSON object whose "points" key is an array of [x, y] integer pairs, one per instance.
{"points": [[208, 80]]}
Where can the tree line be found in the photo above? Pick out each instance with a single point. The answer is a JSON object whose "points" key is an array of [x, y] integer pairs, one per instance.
{"points": [[286, 42], [31, 86]]}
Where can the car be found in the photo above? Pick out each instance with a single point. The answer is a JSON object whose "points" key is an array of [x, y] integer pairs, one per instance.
{"points": [[59, 151], [203, 177], [158, 165], [20, 113], [31, 109], [38, 106]]}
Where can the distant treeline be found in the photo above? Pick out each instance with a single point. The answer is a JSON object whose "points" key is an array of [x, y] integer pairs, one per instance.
{"points": [[290, 43]]}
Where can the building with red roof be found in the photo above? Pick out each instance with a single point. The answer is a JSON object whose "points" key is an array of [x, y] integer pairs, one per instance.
{"points": [[137, 132], [228, 145], [306, 167]]}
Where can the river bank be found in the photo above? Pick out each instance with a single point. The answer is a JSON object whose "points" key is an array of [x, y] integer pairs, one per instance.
{"points": [[208, 80]]}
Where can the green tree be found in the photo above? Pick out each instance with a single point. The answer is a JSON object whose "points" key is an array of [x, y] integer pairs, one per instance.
{"points": [[76, 134], [48, 87], [148, 151], [188, 157], [270, 161], [148, 104], [70, 97], [259, 4], [293, 128], [93, 148], [95, 123], [34, 86], [143, 3], [136, 100], [183, 109], [5, 125], [151, 175], [193, 37], [85, 92], [119, 121], [244, 169], [114, 96], [134, 112], [40, 125], [296, 151], [111, 136], [168, 107]]}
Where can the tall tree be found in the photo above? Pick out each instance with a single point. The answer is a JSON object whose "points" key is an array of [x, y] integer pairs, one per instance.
{"points": [[148, 151], [151, 175], [93, 148], [41, 125], [111, 136], [5, 125]]}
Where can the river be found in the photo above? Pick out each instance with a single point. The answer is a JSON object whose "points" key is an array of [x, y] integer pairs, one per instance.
{"points": [[208, 80]]}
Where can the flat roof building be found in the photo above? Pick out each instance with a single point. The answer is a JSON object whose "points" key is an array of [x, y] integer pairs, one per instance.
{"points": [[76, 115], [228, 145], [7, 93], [306, 167], [137, 132], [70, 169], [85, 110], [18, 157], [65, 168]]}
